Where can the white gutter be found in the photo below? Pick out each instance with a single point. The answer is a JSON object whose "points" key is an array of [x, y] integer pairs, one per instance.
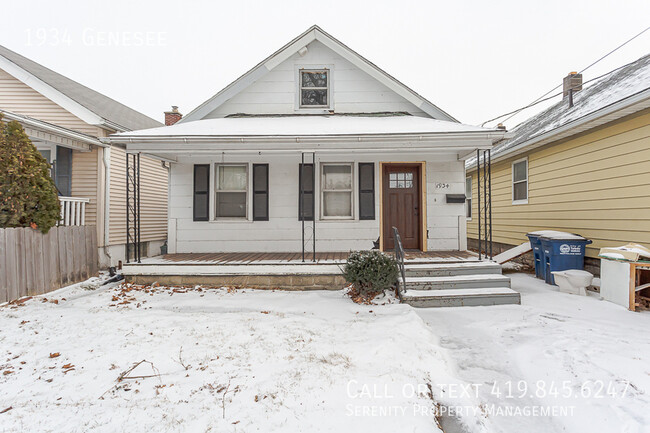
{"points": [[54, 129]]}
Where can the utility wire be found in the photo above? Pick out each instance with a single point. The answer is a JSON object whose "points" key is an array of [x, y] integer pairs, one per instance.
{"points": [[540, 99]]}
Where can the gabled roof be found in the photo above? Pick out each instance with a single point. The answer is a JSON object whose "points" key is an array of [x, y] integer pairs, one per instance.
{"points": [[87, 104], [315, 33], [624, 91]]}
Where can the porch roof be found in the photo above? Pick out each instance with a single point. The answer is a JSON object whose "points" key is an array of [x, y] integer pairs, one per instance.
{"points": [[306, 126]]}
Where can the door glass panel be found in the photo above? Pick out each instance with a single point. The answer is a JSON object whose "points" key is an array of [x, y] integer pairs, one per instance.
{"points": [[400, 180]]}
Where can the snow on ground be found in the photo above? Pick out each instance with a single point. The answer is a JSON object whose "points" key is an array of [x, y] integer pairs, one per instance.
{"points": [[555, 351], [245, 360], [218, 360]]}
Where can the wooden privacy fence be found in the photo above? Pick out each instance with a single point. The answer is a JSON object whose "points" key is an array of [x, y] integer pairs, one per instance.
{"points": [[32, 263]]}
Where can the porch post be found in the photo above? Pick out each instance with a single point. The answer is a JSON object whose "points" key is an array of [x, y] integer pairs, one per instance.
{"points": [[490, 192], [128, 227], [302, 201], [478, 188], [313, 223]]}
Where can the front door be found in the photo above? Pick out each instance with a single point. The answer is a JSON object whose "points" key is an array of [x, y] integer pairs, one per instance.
{"points": [[401, 204]]}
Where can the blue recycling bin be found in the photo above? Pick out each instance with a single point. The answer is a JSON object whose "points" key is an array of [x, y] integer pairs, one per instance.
{"points": [[538, 253], [562, 252]]}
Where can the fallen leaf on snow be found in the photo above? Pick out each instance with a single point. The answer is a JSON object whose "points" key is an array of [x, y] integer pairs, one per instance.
{"points": [[55, 355]]}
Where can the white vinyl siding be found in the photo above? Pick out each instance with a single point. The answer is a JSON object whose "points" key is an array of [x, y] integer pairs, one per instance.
{"points": [[351, 90], [283, 231], [520, 181]]}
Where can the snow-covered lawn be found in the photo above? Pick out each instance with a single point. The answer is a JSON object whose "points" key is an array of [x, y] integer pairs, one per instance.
{"points": [[220, 360], [555, 351], [245, 360]]}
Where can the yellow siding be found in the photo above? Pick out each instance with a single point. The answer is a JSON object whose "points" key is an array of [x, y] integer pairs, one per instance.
{"points": [[596, 185], [19, 98], [153, 193], [84, 181]]}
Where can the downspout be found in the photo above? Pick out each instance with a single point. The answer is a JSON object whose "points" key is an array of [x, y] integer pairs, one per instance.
{"points": [[107, 200]]}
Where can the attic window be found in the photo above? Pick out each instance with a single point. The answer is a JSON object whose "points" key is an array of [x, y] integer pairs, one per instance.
{"points": [[314, 88]]}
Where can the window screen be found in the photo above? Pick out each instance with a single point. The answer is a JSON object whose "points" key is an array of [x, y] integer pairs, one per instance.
{"points": [[366, 191], [232, 187], [314, 88], [520, 181], [337, 190], [201, 191], [306, 198], [63, 171], [260, 192]]}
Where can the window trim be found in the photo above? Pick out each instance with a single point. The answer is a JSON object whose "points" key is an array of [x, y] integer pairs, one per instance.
{"points": [[246, 190], [301, 88], [316, 109], [323, 191], [512, 169], [470, 197]]}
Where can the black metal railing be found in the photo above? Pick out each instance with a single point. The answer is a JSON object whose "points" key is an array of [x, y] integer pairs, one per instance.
{"points": [[399, 256]]}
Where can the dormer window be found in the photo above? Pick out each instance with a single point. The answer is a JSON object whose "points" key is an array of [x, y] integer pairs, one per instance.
{"points": [[314, 88]]}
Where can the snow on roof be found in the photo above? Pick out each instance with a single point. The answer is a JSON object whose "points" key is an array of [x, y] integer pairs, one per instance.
{"points": [[614, 87], [103, 106], [307, 125]]}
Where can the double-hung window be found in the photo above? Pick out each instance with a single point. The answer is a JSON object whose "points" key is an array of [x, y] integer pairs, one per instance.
{"points": [[520, 181], [337, 187], [468, 197], [231, 191], [314, 88]]}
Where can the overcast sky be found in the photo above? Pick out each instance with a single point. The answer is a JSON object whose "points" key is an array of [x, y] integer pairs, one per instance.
{"points": [[474, 60]]}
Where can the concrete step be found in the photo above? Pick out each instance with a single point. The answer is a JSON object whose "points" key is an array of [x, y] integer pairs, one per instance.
{"points": [[461, 297], [457, 282], [450, 269]]}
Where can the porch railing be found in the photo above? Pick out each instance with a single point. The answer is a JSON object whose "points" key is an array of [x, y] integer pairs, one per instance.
{"points": [[399, 256], [73, 211]]}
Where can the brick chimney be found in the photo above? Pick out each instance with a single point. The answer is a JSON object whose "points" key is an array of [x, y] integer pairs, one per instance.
{"points": [[571, 81], [173, 116]]}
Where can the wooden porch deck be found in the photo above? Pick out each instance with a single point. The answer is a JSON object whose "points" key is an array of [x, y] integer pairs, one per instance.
{"points": [[295, 258]]}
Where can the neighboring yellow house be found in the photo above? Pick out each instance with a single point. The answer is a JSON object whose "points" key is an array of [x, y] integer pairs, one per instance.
{"points": [[582, 169], [68, 123]]}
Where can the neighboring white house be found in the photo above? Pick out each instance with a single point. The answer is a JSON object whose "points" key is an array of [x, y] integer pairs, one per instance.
{"points": [[376, 155]]}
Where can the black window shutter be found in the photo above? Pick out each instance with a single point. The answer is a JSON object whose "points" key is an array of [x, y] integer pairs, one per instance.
{"points": [[260, 192], [366, 191], [201, 192], [306, 199]]}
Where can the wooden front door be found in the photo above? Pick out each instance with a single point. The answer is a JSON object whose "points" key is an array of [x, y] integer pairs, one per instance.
{"points": [[401, 205]]}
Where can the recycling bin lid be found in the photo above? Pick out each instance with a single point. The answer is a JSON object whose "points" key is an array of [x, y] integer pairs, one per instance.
{"points": [[556, 235]]}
